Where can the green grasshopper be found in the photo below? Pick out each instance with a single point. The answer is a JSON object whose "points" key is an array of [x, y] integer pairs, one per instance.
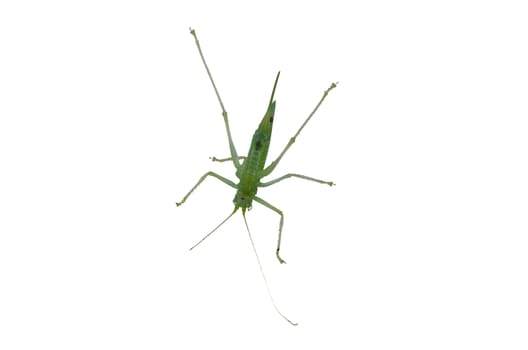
{"points": [[252, 169]]}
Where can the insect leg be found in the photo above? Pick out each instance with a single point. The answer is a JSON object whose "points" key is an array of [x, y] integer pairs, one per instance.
{"points": [[272, 166], [209, 173], [221, 160], [269, 206], [284, 177], [232, 149]]}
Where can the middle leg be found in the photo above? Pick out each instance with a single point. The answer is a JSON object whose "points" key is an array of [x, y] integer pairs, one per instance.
{"points": [[284, 177]]}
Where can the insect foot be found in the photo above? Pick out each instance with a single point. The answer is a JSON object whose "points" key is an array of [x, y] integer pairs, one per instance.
{"points": [[280, 259]]}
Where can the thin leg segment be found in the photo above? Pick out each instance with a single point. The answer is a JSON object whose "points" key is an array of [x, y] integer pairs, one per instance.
{"points": [[209, 173], [269, 206], [232, 149], [221, 160], [272, 166], [284, 177]]}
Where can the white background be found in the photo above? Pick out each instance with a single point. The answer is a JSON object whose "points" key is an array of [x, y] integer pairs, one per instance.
{"points": [[108, 119]]}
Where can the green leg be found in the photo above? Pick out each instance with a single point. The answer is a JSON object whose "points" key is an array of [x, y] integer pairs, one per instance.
{"points": [[265, 184], [272, 166], [221, 160], [232, 149], [209, 173], [269, 206]]}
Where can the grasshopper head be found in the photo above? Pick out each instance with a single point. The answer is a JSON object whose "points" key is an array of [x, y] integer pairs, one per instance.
{"points": [[243, 200]]}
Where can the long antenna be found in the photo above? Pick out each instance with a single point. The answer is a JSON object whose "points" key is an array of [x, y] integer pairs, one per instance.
{"points": [[261, 270], [216, 228]]}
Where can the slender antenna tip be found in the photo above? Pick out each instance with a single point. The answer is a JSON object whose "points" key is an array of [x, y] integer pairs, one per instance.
{"points": [[262, 272]]}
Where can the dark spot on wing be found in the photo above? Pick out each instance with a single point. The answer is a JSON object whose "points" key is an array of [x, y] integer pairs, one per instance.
{"points": [[271, 119], [258, 144]]}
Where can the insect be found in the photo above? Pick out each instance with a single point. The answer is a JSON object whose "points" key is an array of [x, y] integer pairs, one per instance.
{"points": [[252, 168]]}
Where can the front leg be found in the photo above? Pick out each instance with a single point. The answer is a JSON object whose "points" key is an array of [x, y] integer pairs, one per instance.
{"points": [[209, 173], [269, 206]]}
